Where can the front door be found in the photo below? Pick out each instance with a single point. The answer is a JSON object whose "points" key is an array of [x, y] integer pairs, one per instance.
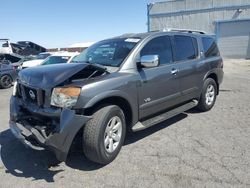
{"points": [[160, 87]]}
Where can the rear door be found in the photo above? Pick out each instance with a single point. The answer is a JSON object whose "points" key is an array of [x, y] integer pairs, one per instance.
{"points": [[186, 55], [159, 88]]}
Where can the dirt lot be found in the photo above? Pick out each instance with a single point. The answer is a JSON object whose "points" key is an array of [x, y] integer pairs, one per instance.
{"points": [[191, 150]]}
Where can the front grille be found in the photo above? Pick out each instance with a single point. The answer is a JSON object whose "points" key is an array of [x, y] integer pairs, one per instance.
{"points": [[30, 94]]}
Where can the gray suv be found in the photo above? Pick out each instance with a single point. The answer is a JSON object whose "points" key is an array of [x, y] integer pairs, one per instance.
{"points": [[126, 83]]}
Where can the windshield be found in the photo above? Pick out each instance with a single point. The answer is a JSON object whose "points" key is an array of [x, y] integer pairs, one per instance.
{"points": [[55, 60], [42, 56], [107, 53]]}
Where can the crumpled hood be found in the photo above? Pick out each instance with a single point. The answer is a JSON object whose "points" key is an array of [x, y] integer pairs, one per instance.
{"points": [[49, 76]]}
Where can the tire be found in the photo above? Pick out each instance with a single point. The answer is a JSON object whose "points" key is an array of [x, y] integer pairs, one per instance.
{"points": [[208, 95], [5, 81], [97, 132]]}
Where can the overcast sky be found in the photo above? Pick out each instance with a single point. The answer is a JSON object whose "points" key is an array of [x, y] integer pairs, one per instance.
{"points": [[59, 23]]}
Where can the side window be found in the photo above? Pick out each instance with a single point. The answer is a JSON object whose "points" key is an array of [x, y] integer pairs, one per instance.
{"points": [[210, 47], [159, 46], [186, 48]]}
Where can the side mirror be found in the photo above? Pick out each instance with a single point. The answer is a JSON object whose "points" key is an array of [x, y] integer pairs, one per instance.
{"points": [[148, 61]]}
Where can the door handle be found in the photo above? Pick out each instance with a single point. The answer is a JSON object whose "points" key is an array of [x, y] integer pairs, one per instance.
{"points": [[174, 71]]}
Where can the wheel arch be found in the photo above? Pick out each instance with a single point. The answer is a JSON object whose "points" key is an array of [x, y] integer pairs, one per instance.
{"points": [[214, 76], [113, 98], [4, 74]]}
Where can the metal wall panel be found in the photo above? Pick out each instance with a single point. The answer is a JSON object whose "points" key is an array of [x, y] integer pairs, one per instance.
{"points": [[198, 4], [202, 20], [229, 2], [181, 5], [169, 6]]}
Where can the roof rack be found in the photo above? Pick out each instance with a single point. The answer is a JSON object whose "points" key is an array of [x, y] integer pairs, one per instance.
{"points": [[184, 30], [127, 35]]}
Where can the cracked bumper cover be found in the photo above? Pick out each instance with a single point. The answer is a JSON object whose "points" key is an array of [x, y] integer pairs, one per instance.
{"points": [[59, 142]]}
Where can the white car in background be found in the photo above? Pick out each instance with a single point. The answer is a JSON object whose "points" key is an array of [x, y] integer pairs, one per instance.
{"points": [[37, 61], [60, 57]]}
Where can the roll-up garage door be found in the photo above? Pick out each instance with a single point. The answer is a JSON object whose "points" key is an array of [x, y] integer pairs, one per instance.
{"points": [[234, 38]]}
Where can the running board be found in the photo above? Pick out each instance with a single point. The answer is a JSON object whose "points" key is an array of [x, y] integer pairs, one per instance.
{"points": [[164, 116]]}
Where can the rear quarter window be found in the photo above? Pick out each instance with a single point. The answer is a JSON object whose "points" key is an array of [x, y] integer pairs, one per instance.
{"points": [[210, 47], [186, 48]]}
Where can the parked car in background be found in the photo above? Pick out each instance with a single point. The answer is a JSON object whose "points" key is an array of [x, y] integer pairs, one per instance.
{"points": [[60, 57], [9, 51], [19, 63], [16, 51], [8, 74], [37, 61], [27, 58]]}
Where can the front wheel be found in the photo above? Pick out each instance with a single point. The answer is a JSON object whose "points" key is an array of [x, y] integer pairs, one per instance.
{"points": [[104, 134], [208, 95], [5, 81]]}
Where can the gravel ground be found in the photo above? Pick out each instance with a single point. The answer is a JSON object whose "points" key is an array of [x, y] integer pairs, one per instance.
{"points": [[193, 149]]}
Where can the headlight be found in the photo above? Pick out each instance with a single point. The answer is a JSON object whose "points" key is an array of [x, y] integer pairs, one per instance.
{"points": [[65, 97], [14, 89], [19, 67]]}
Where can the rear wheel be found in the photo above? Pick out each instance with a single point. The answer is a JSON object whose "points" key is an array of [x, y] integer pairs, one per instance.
{"points": [[5, 81], [208, 95], [104, 134]]}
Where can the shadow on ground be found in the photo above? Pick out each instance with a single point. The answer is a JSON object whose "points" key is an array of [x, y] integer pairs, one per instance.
{"points": [[23, 162], [134, 137]]}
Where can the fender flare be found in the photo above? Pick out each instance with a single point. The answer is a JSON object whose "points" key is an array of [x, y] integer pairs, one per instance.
{"points": [[213, 71], [115, 93]]}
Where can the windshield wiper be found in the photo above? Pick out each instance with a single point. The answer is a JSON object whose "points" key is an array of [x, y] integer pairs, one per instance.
{"points": [[106, 64], [74, 61], [97, 63]]}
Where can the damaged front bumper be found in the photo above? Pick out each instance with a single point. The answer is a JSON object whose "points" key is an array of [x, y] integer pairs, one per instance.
{"points": [[40, 128]]}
